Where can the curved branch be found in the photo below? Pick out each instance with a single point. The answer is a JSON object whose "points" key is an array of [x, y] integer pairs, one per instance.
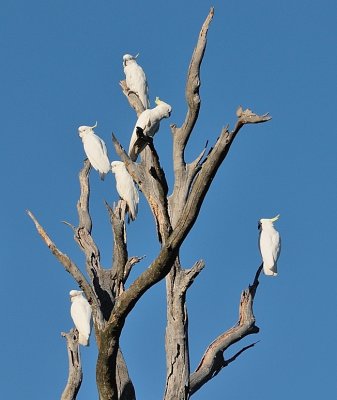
{"points": [[205, 175], [75, 368], [213, 360], [71, 268], [183, 175], [181, 135], [133, 99]]}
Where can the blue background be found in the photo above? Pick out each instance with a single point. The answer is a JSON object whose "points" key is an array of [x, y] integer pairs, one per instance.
{"points": [[61, 67]]}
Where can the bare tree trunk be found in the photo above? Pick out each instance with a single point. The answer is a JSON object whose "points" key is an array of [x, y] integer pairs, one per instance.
{"points": [[106, 367], [176, 339], [75, 367]]}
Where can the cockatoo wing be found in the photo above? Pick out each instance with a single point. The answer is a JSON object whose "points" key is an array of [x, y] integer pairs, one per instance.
{"points": [[276, 248], [136, 81], [126, 188], [269, 248], [96, 151], [143, 122], [81, 314], [131, 195], [149, 122]]}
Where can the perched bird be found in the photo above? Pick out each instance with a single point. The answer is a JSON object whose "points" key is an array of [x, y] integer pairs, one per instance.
{"points": [[270, 245], [126, 188], [147, 125], [135, 79], [81, 314], [95, 149]]}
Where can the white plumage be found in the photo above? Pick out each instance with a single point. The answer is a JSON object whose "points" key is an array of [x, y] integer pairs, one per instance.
{"points": [[125, 187], [81, 314], [270, 245], [135, 79], [149, 122], [95, 149]]}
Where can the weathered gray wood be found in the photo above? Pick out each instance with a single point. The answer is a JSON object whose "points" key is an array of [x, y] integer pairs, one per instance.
{"points": [[151, 180], [101, 294], [120, 252], [75, 368], [132, 97], [174, 217], [213, 360], [176, 338], [67, 263], [83, 202]]}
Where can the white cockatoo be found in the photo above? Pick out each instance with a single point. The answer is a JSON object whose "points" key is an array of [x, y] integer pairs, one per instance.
{"points": [[135, 78], [95, 149], [126, 188], [270, 245], [80, 311], [147, 125]]}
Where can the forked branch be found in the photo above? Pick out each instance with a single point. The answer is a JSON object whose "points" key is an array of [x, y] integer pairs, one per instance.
{"points": [[213, 360]]}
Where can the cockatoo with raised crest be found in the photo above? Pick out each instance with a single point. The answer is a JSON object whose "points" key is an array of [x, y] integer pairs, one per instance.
{"points": [[126, 188], [135, 79], [80, 312], [270, 245], [147, 125], [95, 149]]}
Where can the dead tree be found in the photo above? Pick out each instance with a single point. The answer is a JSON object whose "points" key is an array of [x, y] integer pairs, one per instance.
{"points": [[174, 215]]}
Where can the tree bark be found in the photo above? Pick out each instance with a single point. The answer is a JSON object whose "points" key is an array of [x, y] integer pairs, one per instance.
{"points": [[176, 338], [174, 217], [75, 368], [213, 360]]}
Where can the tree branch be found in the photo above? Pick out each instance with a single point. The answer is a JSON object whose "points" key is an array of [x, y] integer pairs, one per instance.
{"points": [[236, 355], [129, 265], [213, 360], [151, 180], [125, 387], [83, 202], [75, 368], [183, 175], [192, 90], [68, 265], [120, 253], [100, 278], [204, 177], [132, 97]]}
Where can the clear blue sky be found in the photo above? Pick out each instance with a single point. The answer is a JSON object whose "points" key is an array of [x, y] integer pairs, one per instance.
{"points": [[61, 64]]}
